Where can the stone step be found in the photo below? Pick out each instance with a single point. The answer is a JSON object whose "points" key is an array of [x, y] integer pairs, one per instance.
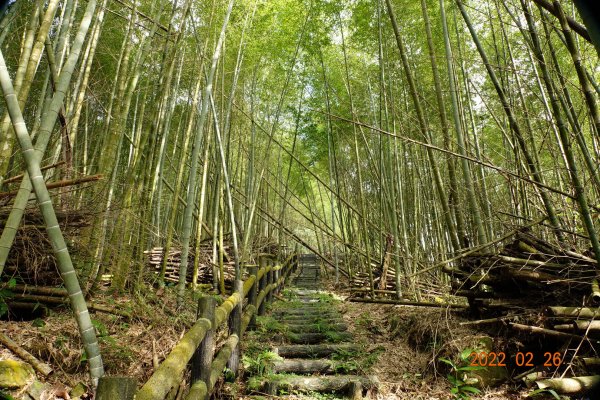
{"points": [[307, 310], [313, 319], [352, 385], [304, 366], [307, 328], [316, 338], [314, 351]]}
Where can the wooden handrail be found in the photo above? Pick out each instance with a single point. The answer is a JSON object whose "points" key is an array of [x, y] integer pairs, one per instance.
{"points": [[169, 372]]}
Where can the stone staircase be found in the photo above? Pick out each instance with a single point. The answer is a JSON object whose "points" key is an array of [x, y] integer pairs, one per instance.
{"points": [[315, 345]]}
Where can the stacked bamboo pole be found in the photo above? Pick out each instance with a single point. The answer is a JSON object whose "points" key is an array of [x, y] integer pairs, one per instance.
{"points": [[528, 269], [155, 256]]}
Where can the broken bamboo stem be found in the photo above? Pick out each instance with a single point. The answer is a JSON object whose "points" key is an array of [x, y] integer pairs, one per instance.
{"points": [[39, 366]]}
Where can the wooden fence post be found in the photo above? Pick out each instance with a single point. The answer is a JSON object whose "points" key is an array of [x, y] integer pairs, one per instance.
{"points": [[116, 388], [202, 359], [252, 295], [292, 267], [269, 296], [235, 328], [262, 285]]}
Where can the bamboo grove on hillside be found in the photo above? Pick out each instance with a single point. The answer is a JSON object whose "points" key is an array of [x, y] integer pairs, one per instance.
{"points": [[386, 136]]}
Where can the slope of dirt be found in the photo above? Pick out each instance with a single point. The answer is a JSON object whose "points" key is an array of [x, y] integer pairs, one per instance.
{"points": [[129, 346], [410, 341]]}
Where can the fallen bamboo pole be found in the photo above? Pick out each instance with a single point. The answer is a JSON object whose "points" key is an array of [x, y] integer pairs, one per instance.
{"points": [[408, 303], [39, 366], [59, 184], [570, 385], [544, 331], [477, 248], [595, 292], [17, 178], [574, 312]]}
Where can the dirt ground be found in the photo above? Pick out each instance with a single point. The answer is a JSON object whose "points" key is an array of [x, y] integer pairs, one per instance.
{"points": [[407, 367], [129, 347], [406, 343], [410, 341]]}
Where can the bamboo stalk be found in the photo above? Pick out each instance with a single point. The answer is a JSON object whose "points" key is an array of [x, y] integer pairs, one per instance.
{"points": [[544, 332], [59, 184], [569, 385], [409, 303], [59, 246]]}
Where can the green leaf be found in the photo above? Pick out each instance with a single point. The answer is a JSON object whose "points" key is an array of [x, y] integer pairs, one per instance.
{"points": [[470, 368], [470, 389], [12, 283], [464, 355], [4, 396], [453, 380], [38, 323], [446, 361]]}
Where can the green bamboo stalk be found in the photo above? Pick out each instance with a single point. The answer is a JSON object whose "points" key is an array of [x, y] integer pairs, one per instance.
{"points": [[586, 87], [453, 192], [61, 252], [191, 192], [172, 212], [580, 195], [531, 164], [23, 85], [47, 124], [426, 133]]}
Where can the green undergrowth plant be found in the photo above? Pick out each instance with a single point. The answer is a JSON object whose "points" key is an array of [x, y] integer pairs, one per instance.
{"points": [[261, 363], [6, 293], [327, 298], [256, 382], [268, 324], [334, 336], [289, 294], [460, 389], [322, 326], [359, 361]]}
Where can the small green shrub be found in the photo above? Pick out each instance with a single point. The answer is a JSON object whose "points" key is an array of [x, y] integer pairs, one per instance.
{"points": [[460, 389]]}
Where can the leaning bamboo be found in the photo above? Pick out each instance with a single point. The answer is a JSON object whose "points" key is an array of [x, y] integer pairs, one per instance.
{"points": [[59, 246], [564, 135], [532, 165], [44, 134], [191, 193]]}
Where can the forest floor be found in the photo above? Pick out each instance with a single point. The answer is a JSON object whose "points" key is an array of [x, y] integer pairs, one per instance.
{"points": [[412, 339], [402, 344], [129, 346]]}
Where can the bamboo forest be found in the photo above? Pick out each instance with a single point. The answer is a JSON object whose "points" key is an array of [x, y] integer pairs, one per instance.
{"points": [[284, 199]]}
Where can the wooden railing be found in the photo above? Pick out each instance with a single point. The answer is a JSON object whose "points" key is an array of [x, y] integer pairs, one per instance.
{"points": [[196, 348]]}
